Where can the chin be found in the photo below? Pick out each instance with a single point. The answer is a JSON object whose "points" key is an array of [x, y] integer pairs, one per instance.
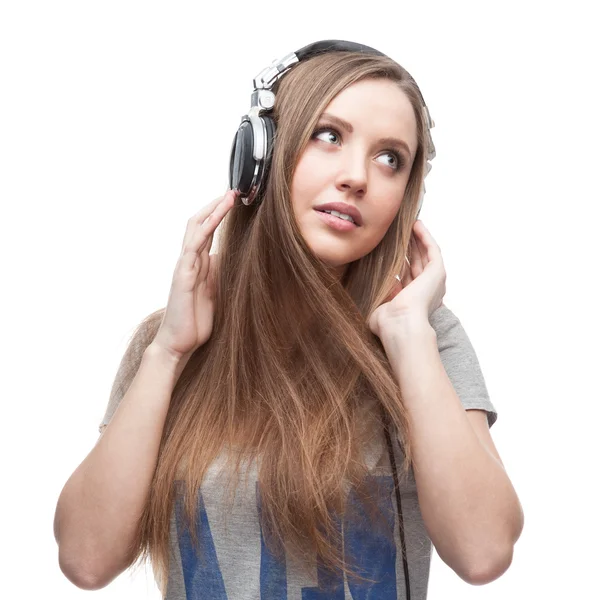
{"points": [[332, 262], [337, 266], [324, 250]]}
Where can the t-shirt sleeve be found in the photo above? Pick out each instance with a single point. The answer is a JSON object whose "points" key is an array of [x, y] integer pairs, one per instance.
{"points": [[128, 367], [461, 364]]}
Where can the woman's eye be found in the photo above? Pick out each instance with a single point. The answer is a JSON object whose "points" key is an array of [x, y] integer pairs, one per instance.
{"points": [[327, 135], [395, 162], [331, 136]]}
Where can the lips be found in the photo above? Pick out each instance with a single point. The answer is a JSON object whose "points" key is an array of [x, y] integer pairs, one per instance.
{"points": [[335, 222], [344, 208]]}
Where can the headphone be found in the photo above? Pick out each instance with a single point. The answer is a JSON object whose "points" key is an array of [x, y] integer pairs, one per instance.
{"points": [[250, 161], [253, 143]]}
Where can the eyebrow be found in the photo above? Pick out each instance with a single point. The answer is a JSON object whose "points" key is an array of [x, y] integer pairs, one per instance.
{"points": [[343, 124]]}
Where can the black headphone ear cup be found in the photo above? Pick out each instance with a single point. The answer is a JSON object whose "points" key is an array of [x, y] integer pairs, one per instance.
{"points": [[241, 162]]}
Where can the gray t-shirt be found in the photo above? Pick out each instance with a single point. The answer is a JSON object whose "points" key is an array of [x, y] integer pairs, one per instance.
{"points": [[237, 564]]}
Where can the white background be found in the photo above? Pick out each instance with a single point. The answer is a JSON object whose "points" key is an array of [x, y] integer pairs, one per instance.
{"points": [[116, 121]]}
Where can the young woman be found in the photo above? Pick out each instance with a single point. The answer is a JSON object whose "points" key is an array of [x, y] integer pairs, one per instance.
{"points": [[305, 418]]}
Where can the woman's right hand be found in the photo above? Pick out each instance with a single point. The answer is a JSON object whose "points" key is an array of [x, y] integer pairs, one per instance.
{"points": [[188, 319]]}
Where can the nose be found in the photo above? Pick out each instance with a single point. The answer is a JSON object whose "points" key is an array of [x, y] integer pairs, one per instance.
{"points": [[352, 175]]}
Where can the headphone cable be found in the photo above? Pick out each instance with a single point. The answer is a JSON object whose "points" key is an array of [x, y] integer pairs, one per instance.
{"points": [[398, 500]]}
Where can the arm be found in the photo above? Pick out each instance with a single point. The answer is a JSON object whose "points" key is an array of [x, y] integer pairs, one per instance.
{"points": [[469, 506], [101, 503]]}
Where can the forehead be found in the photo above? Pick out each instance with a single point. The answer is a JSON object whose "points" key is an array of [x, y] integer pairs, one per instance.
{"points": [[378, 107]]}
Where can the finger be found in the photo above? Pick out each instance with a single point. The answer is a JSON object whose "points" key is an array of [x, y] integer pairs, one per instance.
{"points": [[202, 235], [205, 258], [193, 221], [198, 261], [426, 256], [429, 247], [202, 260], [210, 214], [202, 215], [417, 262]]}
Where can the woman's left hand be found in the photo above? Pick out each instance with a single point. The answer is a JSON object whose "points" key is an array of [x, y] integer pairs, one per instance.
{"points": [[423, 287]]}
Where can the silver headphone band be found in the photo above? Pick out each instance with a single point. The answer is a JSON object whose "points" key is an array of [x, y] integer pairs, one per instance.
{"points": [[279, 67], [269, 75]]}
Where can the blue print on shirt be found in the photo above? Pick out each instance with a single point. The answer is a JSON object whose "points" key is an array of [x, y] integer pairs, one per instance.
{"points": [[202, 576], [331, 584], [273, 574], [371, 553]]}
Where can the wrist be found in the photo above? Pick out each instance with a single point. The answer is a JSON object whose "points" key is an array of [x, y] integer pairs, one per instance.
{"points": [[406, 329], [173, 361]]}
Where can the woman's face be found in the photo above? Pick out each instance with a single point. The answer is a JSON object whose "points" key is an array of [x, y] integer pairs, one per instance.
{"points": [[360, 154]]}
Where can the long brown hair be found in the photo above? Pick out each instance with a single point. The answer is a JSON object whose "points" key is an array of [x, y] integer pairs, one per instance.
{"points": [[291, 376]]}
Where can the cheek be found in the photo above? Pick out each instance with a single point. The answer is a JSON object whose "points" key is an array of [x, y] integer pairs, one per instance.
{"points": [[305, 169], [389, 217], [383, 222], [306, 180], [389, 206]]}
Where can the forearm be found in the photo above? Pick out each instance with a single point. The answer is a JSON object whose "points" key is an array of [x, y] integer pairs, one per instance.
{"points": [[101, 503], [467, 501]]}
